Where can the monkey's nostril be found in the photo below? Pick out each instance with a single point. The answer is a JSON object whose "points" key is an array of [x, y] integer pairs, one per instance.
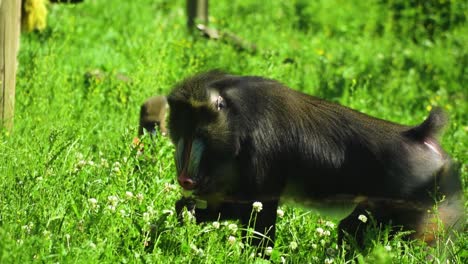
{"points": [[186, 183]]}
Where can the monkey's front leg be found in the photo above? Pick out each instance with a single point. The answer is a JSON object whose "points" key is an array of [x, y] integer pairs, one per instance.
{"points": [[263, 221]]}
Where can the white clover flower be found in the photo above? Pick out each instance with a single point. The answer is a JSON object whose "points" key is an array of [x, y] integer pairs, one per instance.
{"points": [[150, 209], [194, 247], [319, 230], [140, 197], [241, 245], [129, 195], [314, 246], [146, 217], [81, 163], [93, 202], [104, 163], [112, 208], [113, 200], [362, 218], [232, 227], [92, 245], [268, 251], [283, 259], [123, 213], [231, 240], [168, 211], [388, 248], [28, 227], [169, 187], [280, 213], [188, 215], [116, 167], [257, 206], [329, 224], [139, 152], [326, 233], [216, 224], [91, 163], [328, 261], [293, 245], [46, 233], [197, 250]]}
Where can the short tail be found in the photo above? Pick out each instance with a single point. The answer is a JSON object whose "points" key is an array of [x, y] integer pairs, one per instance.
{"points": [[433, 125]]}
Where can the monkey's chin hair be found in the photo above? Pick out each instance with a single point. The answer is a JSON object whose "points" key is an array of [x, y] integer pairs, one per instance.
{"points": [[208, 189], [204, 194]]}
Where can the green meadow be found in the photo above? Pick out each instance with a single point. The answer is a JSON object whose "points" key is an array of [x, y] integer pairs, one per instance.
{"points": [[74, 190]]}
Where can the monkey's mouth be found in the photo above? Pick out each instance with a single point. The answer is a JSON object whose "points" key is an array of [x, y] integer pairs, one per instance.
{"points": [[191, 176]]}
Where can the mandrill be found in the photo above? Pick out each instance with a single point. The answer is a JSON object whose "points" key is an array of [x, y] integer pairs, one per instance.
{"points": [[152, 119], [242, 139], [153, 115]]}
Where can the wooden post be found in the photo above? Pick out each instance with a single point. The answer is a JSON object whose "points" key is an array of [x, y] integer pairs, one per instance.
{"points": [[10, 12], [197, 10]]}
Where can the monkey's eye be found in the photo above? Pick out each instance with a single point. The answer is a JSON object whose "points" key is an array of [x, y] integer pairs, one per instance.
{"points": [[220, 103]]}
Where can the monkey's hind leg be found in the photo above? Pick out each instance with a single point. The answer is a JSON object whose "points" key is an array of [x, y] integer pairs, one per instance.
{"points": [[359, 227]]}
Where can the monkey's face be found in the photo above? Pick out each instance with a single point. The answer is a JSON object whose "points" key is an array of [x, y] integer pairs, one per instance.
{"points": [[205, 142]]}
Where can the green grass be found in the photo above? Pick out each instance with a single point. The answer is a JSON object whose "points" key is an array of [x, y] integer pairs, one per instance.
{"points": [[71, 142]]}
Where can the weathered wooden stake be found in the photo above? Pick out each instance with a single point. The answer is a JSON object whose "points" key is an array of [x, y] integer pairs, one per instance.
{"points": [[197, 10], [10, 11]]}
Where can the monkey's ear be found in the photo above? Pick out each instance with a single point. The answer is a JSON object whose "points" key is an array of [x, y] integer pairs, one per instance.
{"points": [[216, 99], [220, 103]]}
